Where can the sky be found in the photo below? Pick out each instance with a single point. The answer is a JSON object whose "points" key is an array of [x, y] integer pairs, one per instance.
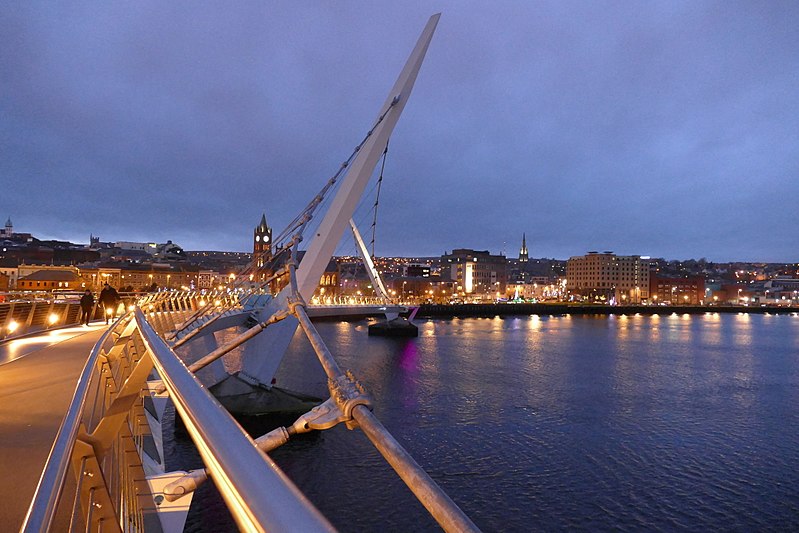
{"points": [[668, 129]]}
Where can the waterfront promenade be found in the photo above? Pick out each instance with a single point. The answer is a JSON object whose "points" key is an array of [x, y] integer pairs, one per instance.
{"points": [[38, 375]]}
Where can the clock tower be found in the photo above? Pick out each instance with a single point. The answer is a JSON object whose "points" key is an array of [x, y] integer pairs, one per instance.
{"points": [[262, 243]]}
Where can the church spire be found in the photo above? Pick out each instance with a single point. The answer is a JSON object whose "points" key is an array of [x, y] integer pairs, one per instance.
{"points": [[523, 251]]}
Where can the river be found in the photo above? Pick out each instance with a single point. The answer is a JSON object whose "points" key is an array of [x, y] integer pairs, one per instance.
{"points": [[636, 423]]}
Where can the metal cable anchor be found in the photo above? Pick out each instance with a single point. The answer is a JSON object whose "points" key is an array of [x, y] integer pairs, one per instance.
{"points": [[347, 392]]}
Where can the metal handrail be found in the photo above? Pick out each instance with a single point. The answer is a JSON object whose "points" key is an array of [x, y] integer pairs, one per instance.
{"points": [[48, 491], [258, 494]]}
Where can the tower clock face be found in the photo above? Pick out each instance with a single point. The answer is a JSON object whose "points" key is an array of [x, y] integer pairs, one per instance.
{"points": [[257, 238], [266, 238]]}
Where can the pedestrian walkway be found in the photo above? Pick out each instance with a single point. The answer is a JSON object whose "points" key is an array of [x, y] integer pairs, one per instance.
{"points": [[38, 376]]}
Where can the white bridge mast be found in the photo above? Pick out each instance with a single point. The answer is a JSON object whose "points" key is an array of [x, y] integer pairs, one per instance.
{"points": [[371, 269], [263, 354]]}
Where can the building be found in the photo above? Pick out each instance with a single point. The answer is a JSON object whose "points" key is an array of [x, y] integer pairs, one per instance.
{"points": [[416, 270], [523, 257], [8, 267], [687, 290], [50, 279], [477, 274], [419, 290], [534, 287], [262, 243], [608, 277], [329, 283], [150, 248], [169, 251], [209, 279], [8, 230]]}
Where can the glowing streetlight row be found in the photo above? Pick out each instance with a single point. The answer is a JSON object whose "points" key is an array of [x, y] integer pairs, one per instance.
{"points": [[13, 325]]}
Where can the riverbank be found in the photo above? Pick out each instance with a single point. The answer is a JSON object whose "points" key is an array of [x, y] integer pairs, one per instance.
{"points": [[511, 309]]}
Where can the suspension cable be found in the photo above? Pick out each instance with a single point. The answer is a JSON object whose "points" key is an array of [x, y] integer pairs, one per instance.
{"points": [[377, 198]]}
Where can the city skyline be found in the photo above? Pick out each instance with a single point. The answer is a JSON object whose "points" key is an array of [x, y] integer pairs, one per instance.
{"points": [[658, 129], [510, 256]]}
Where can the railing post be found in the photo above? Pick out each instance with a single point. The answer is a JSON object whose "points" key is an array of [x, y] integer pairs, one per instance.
{"points": [[29, 319], [4, 331]]}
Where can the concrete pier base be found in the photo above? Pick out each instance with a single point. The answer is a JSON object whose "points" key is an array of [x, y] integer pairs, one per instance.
{"points": [[398, 327]]}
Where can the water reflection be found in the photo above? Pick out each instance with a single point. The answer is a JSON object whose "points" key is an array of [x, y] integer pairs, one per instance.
{"points": [[571, 423]]}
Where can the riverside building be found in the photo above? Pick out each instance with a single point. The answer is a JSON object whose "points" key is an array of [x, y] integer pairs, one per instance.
{"points": [[608, 277], [477, 274]]}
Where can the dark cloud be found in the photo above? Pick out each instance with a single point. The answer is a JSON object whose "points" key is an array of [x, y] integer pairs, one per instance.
{"points": [[661, 128]]}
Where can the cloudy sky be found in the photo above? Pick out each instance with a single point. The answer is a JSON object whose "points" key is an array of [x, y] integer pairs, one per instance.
{"points": [[668, 129]]}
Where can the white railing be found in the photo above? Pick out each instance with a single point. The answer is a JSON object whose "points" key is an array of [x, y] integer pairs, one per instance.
{"points": [[108, 424], [104, 437]]}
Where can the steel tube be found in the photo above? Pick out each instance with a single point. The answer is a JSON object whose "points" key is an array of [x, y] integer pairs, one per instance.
{"points": [[448, 515], [259, 496], [191, 334], [235, 343]]}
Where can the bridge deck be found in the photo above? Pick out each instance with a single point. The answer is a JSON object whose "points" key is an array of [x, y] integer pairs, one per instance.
{"points": [[38, 376]]}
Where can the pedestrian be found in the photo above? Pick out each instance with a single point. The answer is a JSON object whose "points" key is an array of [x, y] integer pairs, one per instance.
{"points": [[109, 299], [86, 305]]}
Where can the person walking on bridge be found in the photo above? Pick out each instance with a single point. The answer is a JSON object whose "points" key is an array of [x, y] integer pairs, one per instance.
{"points": [[109, 299], [86, 305]]}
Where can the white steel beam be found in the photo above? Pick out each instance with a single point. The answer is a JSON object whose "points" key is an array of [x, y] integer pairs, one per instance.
{"points": [[371, 269], [263, 354], [332, 227]]}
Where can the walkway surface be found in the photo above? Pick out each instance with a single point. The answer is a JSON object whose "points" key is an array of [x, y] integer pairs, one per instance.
{"points": [[38, 376]]}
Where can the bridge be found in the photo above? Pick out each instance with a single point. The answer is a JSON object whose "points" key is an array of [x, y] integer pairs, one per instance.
{"points": [[98, 393], [110, 434]]}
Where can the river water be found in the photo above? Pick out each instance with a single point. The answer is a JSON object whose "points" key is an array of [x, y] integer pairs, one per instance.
{"points": [[631, 423]]}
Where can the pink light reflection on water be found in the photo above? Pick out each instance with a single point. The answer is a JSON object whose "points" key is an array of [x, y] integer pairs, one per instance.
{"points": [[409, 363], [409, 357]]}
